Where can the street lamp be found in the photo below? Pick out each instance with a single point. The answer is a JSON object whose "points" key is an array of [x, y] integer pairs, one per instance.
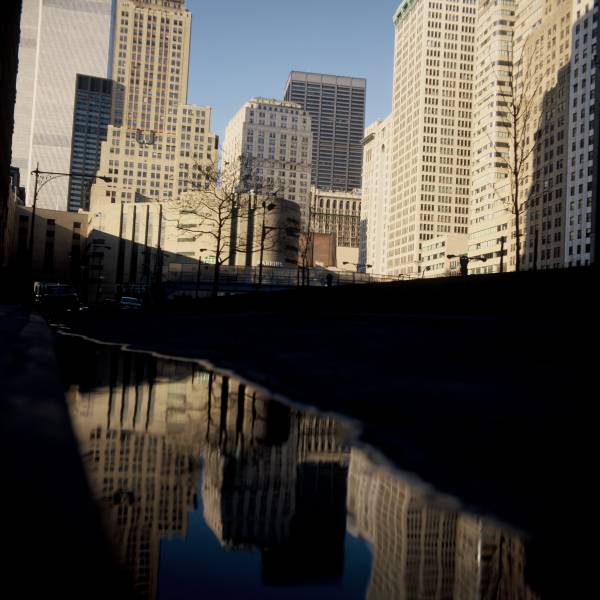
{"points": [[198, 273], [263, 234], [464, 261], [37, 187]]}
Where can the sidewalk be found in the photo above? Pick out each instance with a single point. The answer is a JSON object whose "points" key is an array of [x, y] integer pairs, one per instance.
{"points": [[52, 529]]}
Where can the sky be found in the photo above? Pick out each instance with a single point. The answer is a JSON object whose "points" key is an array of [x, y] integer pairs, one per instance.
{"points": [[246, 48]]}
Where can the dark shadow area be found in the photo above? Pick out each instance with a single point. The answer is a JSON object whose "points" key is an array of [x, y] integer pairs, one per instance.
{"points": [[464, 381]]}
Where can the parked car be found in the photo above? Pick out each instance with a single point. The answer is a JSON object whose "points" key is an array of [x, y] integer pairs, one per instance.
{"points": [[129, 303], [55, 297]]}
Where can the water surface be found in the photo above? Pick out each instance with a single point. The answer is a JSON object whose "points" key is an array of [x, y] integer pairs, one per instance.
{"points": [[210, 488]]}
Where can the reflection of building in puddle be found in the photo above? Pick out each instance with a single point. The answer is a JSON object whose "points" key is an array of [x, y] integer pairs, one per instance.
{"points": [[421, 551], [275, 480], [137, 421]]}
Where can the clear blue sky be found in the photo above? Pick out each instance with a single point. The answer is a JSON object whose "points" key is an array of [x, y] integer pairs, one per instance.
{"points": [[246, 48]]}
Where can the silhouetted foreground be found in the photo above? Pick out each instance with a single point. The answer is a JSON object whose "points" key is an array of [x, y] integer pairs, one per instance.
{"points": [[467, 382], [54, 543], [481, 386]]}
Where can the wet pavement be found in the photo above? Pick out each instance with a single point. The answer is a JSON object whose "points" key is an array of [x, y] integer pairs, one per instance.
{"points": [[211, 487]]}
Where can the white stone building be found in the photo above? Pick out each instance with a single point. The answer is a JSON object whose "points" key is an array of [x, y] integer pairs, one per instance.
{"points": [[374, 210], [431, 121], [269, 144]]}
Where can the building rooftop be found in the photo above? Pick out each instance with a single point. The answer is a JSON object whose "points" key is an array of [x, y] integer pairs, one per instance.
{"points": [[327, 78]]}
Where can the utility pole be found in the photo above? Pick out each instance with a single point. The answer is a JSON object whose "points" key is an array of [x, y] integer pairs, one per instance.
{"points": [[32, 227]]}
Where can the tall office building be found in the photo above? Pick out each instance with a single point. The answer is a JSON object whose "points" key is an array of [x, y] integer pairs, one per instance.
{"points": [[337, 109], [267, 145], [431, 120], [58, 40], [543, 49], [92, 115], [377, 150], [489, 211], [582, 179], [552, 62], [153, 154]]}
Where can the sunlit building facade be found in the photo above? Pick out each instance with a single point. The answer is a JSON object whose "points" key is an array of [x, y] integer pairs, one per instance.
{"points": [[155, 152], [336, 212], [431, 122], [374, 209], [268, 148]]}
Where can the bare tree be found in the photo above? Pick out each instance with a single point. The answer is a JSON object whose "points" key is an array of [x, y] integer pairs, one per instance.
{"points": [[219, 208], [518, 88], [211, 209]]}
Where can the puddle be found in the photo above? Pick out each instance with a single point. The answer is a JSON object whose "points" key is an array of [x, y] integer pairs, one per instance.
{"points": [[211, 488]]}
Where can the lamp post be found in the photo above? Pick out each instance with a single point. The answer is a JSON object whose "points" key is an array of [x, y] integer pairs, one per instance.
{"points": [[502, 242], [464, 261], [263, 235], [198, 272], [36, 190]]}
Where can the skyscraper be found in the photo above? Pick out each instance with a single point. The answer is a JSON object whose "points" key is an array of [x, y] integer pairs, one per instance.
{"points": [[92, 114], [543, 94], [153, 154], [489, 212], [58, 40], [337, 109], [581, 204], [431, 120], [267, 143]]}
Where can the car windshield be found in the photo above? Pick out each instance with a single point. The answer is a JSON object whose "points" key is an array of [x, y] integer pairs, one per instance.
{"points": [[58, 290], [127, 300]]}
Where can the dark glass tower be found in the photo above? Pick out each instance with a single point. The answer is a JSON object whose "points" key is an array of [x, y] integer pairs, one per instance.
{"points": [[337, 108], [92, 114]]}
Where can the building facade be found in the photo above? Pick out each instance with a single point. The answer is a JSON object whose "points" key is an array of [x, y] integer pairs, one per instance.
{"points": [[336, 212], [140, 243], [544, 82], [542, 34], [155, 152], [59, 243], [490, 215], [58, 40], [374, 209], [91, 118], [435, 259], [431, 120], [337, 109], [582, 147], [10, 16], [268, 148]]}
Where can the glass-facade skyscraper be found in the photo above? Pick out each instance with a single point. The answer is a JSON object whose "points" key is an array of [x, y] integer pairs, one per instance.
{"points": [[92, 114]]}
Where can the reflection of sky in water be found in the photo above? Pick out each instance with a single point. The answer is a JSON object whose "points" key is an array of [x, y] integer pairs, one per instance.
{"points": [[212, 489], [198, 566]]}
